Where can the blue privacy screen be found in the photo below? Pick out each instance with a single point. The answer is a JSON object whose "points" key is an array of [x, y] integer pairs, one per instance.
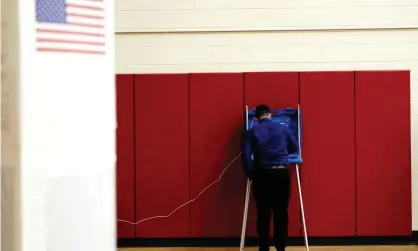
{"points": [[288, 117]]}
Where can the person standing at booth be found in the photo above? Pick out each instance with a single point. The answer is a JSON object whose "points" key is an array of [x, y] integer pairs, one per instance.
{"points": [[270, 144]]}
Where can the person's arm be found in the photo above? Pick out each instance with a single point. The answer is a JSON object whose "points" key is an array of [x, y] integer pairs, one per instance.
{"points": [[292, 144], [247, 151]]}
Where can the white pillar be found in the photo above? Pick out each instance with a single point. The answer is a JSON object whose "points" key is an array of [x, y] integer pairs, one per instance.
{"points": [[58, 128]]}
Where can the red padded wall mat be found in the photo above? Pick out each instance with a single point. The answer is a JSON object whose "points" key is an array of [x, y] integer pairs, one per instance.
{"points": [[383, 153], [277, 90], [125, 154], [162, 154], [328, 169], [216, 126]]}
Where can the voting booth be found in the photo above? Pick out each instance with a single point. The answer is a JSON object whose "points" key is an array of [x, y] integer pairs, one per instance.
{"points": [[289, 117]]}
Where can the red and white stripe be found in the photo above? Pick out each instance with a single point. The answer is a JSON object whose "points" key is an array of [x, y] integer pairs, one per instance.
{"points": [[84, 31]]}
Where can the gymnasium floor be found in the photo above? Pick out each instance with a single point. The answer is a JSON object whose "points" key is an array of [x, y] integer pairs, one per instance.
{"points": [[328, 248]]}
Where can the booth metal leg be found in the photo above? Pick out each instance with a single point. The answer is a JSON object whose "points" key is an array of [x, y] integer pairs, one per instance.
{"points": [[244, 219], [302, 209]]}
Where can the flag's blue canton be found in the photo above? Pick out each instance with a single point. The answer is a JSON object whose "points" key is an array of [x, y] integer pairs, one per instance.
{"points": [[51, 11]]}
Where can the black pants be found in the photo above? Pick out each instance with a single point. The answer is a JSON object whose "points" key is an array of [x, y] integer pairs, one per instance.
{"points": [[271, 191]]}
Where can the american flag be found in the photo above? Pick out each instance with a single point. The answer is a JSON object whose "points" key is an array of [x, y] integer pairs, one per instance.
{"points": [[70, 26]]}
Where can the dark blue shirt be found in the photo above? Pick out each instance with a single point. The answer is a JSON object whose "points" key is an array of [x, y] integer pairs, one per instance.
{"points": [[270, 143]]}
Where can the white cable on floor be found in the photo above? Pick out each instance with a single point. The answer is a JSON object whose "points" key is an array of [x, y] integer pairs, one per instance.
{"points": [[192, 200], [186, 203]]}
